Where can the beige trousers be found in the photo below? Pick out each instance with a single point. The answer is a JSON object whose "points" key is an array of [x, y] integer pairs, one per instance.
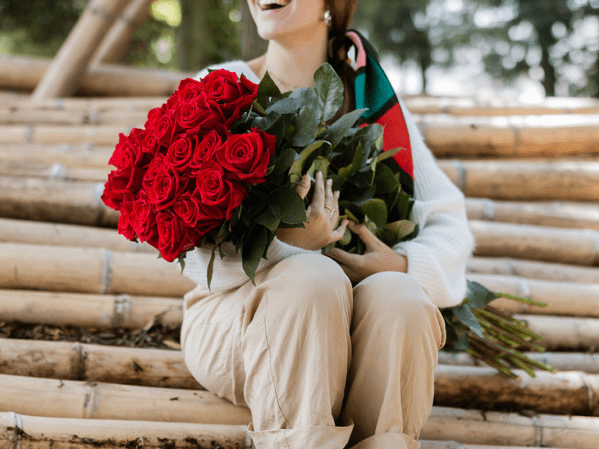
{"points": [[320, 364]]}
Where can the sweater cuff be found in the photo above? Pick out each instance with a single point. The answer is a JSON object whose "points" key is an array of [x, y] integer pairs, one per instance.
{"points": [[279, 250]]}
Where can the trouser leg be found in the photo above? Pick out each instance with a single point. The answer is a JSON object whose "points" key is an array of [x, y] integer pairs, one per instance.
{"points": [[282, 347], [396, 333]]}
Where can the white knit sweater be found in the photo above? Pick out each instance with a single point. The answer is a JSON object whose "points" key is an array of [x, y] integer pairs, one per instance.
{"points": [[436, 257]]}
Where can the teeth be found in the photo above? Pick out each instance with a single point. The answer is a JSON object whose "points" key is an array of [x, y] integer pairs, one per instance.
{"points": [[266, 3]]}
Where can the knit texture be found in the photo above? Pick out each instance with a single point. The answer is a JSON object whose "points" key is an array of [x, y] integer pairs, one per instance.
{"points": [[436, 257]]}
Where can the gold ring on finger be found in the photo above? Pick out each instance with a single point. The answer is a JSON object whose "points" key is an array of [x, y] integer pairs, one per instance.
{"points": [[332, 210]]}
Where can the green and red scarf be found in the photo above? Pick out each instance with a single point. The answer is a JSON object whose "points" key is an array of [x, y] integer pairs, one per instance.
{"points": [[374, 91]]}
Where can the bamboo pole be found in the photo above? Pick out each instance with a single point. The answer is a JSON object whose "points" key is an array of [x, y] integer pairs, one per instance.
{"points": [[83, 156], [495, 428], [575, 246], [95, 363], [516, 136], [50, 234], [92, 311], [19, 431], [53, 172], [55, 201], [564, 333], [555, 214], [561, 361], [520, 180], [119, 36], [73, 58], [485, 388], [85, 400], [562, 298], [533, 270], [77, 135], [467, 106], [89, 270], [104, 80]]}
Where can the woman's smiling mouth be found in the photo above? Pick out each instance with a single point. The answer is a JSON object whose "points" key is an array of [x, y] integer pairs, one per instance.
{"points": [[267, 5]]}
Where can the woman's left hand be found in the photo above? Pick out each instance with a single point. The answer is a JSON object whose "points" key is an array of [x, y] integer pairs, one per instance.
{"points": [[377, 257]]}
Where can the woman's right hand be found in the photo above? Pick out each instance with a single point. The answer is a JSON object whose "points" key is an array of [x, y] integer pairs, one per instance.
{"points": [[320, 230]]}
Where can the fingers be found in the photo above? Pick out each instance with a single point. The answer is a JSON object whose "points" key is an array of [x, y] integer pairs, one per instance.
{"points": [[364, 233], [319, 192], [304, 186], [344, 257], [338, 233]]}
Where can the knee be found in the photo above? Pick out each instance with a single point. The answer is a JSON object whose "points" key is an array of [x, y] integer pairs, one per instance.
{"points": [[315, 281], [393, 296]]}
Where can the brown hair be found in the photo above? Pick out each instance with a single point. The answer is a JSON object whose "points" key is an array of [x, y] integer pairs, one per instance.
{"points": [[342, 12]]}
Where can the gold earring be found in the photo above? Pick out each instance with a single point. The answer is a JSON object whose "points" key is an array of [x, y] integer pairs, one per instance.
{"points": [[328, 19]]}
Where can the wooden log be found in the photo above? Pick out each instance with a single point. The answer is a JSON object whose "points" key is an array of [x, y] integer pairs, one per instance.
{"points": [[53, 172], [561, 361], [89, 105], [75, 117], [555, 214], [533, 270], [33, 432], [55, 201], [516, 180], [84, 400], [77, 135], [486, 389], [104, 80], [95, 363], [119, 36], [92, 311], [500, 107], [516, 136], [562, 298], [575, 246], [565, 333], [83, 156], [89, 270], [62, 77], [494, 428], [52, 234]]}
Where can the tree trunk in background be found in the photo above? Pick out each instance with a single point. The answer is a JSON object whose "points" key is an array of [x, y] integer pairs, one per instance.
{"points": [[194, 37], [546, 40], [252, 45]]}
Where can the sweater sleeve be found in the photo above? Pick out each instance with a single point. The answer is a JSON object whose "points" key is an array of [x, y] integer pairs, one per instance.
{"points": [[437, 256]]}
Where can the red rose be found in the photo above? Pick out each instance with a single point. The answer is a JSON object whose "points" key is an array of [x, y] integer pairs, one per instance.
{"points": [[232, 96], [207, 219], [143, 219], [207, 147], [247, 156], [124, 226], [115, 190], [128, 152], [180, 152], [149, 143], [199, 117], [154, 116], [173, 237], [189, 90], [166, 189], [156, 166], [187, 207], [165, 129], [215, 190]]}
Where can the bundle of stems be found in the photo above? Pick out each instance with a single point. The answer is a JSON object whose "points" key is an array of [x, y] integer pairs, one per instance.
{"points": [[491, 335]]}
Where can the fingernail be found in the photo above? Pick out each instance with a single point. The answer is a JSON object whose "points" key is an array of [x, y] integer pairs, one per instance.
{"points": [[329, 182]]}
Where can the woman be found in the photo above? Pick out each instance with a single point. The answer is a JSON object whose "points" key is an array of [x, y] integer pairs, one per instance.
{"points": [[329, 351]]}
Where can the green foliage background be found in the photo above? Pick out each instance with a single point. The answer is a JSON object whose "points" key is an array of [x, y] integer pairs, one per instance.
{"points": [[540, 39]]}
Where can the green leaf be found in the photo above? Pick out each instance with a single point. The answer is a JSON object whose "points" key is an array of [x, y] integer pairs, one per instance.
{"points": [[339, 129], [297, 169], [320, 164], [267, 219], [376, 210], [306, 128], [286, 204], [478, 295], [347, 236], [329, 91], [289, 105], [384, 155], [385, 180], [266, 89], [252, 249], [393, 233], [465, 316], [347, 171], [181, 260], [309, 99], [266, 122], [210, 269], [283, 161]]}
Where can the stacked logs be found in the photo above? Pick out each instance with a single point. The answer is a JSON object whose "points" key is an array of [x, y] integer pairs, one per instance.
{"points": [[531, 179]]}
